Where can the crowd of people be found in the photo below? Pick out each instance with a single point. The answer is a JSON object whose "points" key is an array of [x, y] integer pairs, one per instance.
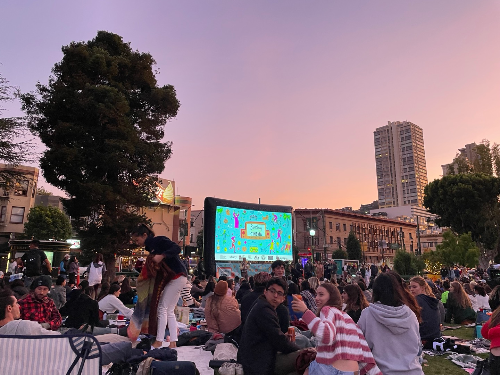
{"points": [[351, 318]]}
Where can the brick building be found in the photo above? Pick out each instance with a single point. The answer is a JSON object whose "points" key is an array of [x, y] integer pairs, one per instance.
{"points": [[379, 237]]}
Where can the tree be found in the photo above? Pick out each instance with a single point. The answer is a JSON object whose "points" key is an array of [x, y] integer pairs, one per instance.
{"points": [[101, 117], [41, 191], [13, 150], [45, 223], [408, 263], [339, 254], [458, 249], [353, 248], [468, 203]]}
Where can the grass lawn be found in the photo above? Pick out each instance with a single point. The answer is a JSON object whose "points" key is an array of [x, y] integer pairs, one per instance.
{"points": [[440, 365]]}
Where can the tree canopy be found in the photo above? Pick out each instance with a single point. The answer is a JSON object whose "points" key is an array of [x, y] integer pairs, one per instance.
{"points": [[14, 147], [408, 263], [467, 203], [353, 248], [339, 254], [455, 249], [46, 223], [101, 117]]}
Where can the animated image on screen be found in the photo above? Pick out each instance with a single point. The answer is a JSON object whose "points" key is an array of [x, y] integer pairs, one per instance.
{"points": [[254, 235]]}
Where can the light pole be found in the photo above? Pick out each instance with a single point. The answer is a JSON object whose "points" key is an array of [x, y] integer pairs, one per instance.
{"points": [[312, 233]]}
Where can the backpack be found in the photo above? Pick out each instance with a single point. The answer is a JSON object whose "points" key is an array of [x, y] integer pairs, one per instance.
{"points": [[33, 263]]}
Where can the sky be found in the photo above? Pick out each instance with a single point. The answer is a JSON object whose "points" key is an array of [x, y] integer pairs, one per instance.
{"points": [[279, 99]]}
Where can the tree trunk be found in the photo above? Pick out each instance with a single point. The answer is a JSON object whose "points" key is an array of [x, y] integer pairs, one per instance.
{"points": [[110, 273]]}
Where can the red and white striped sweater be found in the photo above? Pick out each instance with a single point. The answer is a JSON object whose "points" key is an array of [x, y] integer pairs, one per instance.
{"points": [[340, 338]]}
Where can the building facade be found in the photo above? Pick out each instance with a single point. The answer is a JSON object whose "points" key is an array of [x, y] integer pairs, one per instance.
{"points": [[379, 237], [468, 155], [400, 164], [15, 202]]}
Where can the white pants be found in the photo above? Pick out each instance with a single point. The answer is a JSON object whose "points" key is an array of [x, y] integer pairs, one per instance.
{"points": [[166, 306]]}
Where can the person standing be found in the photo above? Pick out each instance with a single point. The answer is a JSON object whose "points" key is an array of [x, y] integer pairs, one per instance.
{"points": [[33, 261], [164, 251], [244, 267], [63, 266], [73, 268], [12, 266], [95, 271], [491, 331]]}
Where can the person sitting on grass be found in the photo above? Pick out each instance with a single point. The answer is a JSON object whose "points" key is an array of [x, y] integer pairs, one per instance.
{"points": [[110, 304], [430, 326], [355, 301], [491, 331], [459, 306]]}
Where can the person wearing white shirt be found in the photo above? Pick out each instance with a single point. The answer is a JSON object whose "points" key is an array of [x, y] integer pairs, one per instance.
{"points": [[111, 303], [481, 299]]}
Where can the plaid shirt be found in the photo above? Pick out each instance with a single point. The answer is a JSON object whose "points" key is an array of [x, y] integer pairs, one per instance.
{"points": [[40, 311]]}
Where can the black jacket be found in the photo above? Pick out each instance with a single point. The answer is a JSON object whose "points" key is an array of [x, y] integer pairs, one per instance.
{"points": [[431, 319], [262, 338], [249, 300], [80, 311], [163, 245]]}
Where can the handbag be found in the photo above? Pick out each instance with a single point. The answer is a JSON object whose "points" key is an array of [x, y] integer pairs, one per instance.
{"points": [[303, 360], [482, 367]]}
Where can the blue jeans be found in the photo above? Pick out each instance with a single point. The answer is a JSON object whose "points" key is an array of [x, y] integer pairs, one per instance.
{"points": [[316, 368]]}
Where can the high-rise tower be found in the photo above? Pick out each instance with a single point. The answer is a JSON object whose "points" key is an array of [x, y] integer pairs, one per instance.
{"points": [[400, 162]]}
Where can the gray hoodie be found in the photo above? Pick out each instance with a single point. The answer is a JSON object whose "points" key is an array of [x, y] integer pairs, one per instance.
{"points": [[25, 327], [393, 336]]}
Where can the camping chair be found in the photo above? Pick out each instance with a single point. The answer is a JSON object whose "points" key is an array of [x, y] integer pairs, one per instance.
{"points": [[71, 354]]}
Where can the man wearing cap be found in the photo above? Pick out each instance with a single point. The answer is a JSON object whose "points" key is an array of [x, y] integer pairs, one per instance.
{"points": [[38, 307], [63, 265]]}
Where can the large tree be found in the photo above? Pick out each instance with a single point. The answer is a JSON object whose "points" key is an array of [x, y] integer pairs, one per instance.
{"points": [[101, 117], [14, 147], [45, 223], [468, 203]]}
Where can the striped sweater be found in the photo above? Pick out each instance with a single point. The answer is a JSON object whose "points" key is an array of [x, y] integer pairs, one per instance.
{"points": [[340, 338]]}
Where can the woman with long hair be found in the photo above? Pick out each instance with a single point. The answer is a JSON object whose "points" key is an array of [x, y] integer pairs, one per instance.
{"points": [[308, 293], [221, 310], [104, 291], [166, 253], [355, 301], [491, 331], [481, 298], [127, 293], [209, 291], [341, 346], [459, 306], [390, 320], [430, 327]]}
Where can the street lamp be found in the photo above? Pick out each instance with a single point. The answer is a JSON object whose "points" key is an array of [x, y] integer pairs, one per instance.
{"points": [[312, 233]]}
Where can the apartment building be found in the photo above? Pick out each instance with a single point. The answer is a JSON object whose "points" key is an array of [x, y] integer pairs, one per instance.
{"points": [[400, 164]]}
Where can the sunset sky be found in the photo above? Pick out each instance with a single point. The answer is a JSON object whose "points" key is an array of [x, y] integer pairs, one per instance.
{"points": [[279, 99]]}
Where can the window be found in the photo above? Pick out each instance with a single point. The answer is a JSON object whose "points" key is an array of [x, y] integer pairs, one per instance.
{"points": [[339, 242], [3, 214], [17, 215], [345, 241], [21, 189], [330, 224], [191, 238], [337, 227], [331, 238], [345, 227]]}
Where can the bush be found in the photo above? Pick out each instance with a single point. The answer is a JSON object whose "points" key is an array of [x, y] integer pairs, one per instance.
{"points": [[339, 254]]}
